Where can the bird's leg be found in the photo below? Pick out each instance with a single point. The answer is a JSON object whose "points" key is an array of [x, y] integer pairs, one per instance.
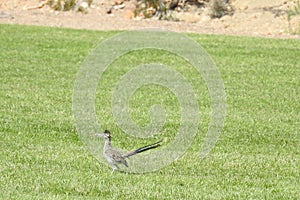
{"points": [[115, 167]]}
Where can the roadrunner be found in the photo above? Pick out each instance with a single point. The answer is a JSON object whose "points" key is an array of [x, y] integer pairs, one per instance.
{"points": [[114, 157]]}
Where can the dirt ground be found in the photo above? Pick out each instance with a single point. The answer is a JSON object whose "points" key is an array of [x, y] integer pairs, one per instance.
{"points": [[262, 18]]}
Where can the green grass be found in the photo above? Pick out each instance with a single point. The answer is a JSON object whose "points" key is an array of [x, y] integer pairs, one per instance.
{"points": [[257, 156]]}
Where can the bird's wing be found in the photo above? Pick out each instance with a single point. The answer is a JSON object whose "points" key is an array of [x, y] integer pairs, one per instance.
{"points": [[116, 156]]}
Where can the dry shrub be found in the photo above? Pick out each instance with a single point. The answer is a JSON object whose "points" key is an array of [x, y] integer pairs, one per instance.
{"points": [[294, 13], [66, 5], [219, 8]]}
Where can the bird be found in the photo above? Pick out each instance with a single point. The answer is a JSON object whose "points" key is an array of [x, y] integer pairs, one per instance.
{"points": [[114, 157]]}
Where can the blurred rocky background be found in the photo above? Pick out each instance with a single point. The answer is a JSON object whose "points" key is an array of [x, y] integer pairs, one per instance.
{"points": [[250, 17]]}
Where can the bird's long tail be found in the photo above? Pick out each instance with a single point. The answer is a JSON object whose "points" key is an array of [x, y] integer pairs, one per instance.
{"points": [[142, 149]]}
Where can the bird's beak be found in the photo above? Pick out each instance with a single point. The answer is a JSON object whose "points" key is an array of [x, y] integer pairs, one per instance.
{"points": [[99, 135]]}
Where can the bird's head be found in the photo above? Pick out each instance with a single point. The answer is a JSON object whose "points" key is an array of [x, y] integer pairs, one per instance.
{"points": [[105, 135]]}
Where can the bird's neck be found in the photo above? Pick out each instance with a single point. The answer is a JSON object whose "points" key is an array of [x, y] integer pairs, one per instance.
{"points": [[107, 143]]}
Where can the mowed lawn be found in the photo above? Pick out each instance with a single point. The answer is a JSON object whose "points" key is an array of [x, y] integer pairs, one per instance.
{"points": [[41, 156]]}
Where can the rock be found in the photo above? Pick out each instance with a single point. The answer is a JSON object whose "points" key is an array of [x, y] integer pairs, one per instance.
{"points": [[226, 18], [204, 18], [140, 16], [150, 11], [129, 14], [109, 11], [187, 17], [119, 2], [6, 15], [130, 10], [117, 7], [245, 8], [82, 6]]}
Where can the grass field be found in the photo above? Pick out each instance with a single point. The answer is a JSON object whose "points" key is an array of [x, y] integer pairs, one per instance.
{"points": [[41, 156]]}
